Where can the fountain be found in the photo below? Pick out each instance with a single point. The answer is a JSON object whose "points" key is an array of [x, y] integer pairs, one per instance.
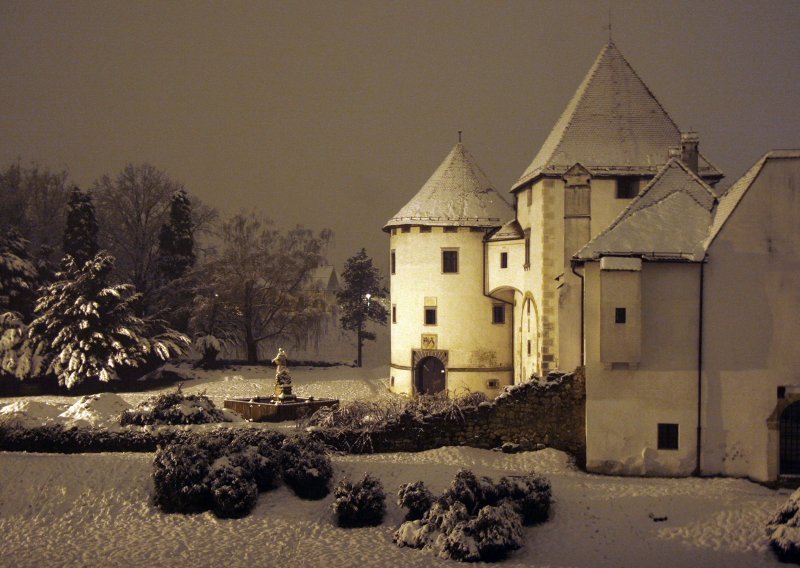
{"points": [[283, 404]]}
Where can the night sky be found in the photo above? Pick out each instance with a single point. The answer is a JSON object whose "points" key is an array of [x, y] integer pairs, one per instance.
{"points": [[333, 114]]}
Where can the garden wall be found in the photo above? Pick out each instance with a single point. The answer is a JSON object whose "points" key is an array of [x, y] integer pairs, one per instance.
{"points": [[532, 415]]}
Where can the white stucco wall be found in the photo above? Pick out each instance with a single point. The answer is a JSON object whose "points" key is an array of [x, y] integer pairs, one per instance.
{"points": [[625, 406], [752, 324], [477, 350]]}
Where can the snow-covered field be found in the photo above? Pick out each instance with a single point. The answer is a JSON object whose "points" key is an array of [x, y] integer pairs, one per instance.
{"points": [[95, 510]]}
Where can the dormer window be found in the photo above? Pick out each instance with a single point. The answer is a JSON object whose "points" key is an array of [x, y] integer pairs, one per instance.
{"points": [[627, 187]]}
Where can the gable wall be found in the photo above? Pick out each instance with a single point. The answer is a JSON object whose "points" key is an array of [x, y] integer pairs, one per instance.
{"points": [[752, 323]]}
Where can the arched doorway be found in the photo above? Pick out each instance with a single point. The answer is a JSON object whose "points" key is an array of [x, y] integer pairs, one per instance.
{"points": [[790, 440], [430, 376]]}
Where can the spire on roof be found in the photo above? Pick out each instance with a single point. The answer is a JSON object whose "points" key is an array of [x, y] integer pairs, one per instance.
{"points": [[613, 125], [457, 194]]}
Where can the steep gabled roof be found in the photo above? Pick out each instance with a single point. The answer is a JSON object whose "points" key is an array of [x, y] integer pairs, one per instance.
{"points": [[511, 231], [613, 126], [731, 198], [668, 219], [457, 194]]}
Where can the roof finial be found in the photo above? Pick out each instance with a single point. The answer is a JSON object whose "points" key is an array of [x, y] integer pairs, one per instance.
{"points": [[459, 137]]}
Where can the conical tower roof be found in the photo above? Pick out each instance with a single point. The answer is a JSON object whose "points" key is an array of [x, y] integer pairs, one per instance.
{"points": [[457, 194], [613, 125]]}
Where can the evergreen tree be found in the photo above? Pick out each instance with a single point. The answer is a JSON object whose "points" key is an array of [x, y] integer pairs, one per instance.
{"points": [[18, 275], [176, 239], [359, 298], [86, 328], [80, 232]]}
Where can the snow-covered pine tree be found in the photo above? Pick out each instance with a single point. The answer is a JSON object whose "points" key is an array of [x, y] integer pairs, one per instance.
{"points": [[18, 275], [359, 299], [80, 232], [85, 327], [176, 239]]}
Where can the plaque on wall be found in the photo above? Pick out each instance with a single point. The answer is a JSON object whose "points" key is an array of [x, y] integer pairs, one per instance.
{"points": [[429, 341]]}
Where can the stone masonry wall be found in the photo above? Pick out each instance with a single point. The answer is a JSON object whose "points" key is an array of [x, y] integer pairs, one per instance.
{"points": [[531, 415]]}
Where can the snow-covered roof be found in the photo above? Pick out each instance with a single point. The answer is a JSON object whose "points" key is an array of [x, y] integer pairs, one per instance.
{"points": [[731, 198], [613, 126], [324, 278], [508, 232], [457, 194], [670, 218]]}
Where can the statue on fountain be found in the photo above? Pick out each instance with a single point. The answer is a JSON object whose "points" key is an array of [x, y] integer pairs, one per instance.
{"points": [[283, 380]]}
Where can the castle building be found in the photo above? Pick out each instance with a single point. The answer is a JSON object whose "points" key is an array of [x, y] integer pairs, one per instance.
{"points": [[619, 256]]}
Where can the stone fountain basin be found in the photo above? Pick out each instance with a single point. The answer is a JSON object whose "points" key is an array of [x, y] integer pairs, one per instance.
{"points": [[273, 409]]}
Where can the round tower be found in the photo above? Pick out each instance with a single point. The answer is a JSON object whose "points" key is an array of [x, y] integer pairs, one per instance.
{"points": [[446, 333]]}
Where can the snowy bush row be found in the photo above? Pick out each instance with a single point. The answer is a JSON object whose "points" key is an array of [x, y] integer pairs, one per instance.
{"points": [[474, 519], [783, 530], [174, 408], [225, 473]]}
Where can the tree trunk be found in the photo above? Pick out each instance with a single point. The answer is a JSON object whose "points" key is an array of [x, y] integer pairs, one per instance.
{"points": [[360, 345], [252, 347]]}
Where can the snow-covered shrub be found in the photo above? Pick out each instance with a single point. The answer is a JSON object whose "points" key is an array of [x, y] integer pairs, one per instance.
{"points": [[783, 530], [174, 408], [475, 519], [306, 467], [416, 498], [359, 504], [209, 347], [233, 492], [529, 494], [474, 492], [180, 475]]}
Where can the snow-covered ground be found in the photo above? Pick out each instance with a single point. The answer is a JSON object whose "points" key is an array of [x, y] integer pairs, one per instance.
{"points": [[95, 510]]}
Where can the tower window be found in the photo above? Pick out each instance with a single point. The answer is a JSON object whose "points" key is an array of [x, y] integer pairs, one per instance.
{"points": [[503, 260], [450, 229], [529, 347], [424, 229], [430, 315], [392, 261], [667, 436], [620, 315], [394, 313], [405, 229], [498, 313], [449, 261], [627, 187], [527, 248]]}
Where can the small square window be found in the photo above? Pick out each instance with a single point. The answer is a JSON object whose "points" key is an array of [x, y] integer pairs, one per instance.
{"points": [[620, 315], [667, 436], [493, 384], [430, 316], [424, 229], [394, 313], [451, 229], [449, 261], [503, 260], [498, 313], [405, 229], [393, 262], [627, 187]]}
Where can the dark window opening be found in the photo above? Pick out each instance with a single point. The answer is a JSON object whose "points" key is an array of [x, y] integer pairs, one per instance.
{"points": [[393, 262], [430, 316], [449, 261], [627, 187], [620, 315], [405, 229], [493, 383], [527, 248], [667, 436], [451, 229], [394, 314], [498, 313], [424, 229], [529, 347], [503, 260], [529, 193], [476, 229]]}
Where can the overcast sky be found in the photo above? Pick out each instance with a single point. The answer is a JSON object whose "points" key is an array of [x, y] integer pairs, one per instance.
{"points": [[333, 114]]}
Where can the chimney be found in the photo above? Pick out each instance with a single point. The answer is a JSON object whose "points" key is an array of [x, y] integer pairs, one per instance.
{"points": [[689, 143]]}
